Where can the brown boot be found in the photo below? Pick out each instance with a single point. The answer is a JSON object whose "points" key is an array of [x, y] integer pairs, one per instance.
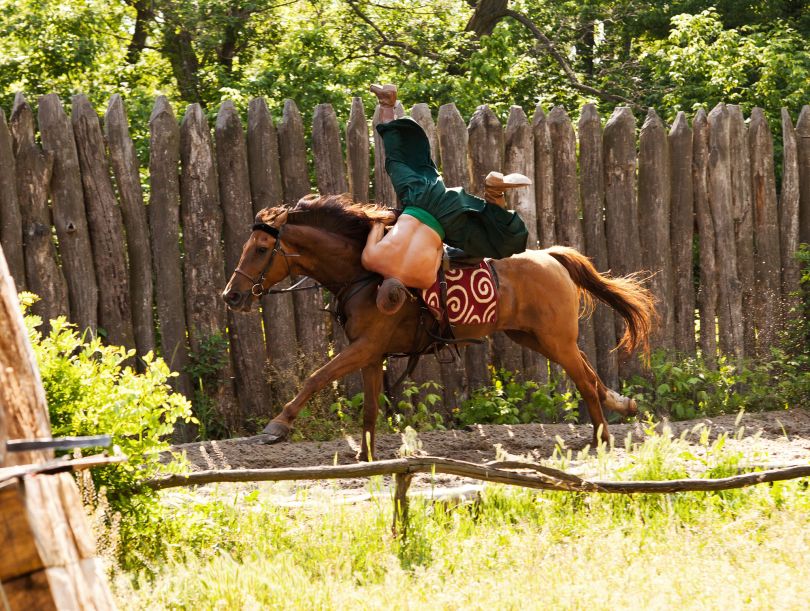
{"points": [[391, 295], [386, 95], [496, 183]]}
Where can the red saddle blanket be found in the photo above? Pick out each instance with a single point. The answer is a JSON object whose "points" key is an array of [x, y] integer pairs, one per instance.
{"points": [[472, 297]]}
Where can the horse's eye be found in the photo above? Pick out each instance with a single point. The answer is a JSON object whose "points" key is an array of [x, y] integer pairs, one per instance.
{"points": [[261, 250]]}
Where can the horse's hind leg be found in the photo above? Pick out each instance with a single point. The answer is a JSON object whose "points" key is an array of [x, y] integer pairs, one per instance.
{"points": [[570, 358]]}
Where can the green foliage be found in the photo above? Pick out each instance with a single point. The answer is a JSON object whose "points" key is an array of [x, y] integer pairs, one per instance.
{"points": [[508, 401], [416, 408], [205, 367]]}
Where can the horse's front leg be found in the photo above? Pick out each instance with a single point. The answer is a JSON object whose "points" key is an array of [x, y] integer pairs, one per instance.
{"points": [[356, 355], [372, 385]]}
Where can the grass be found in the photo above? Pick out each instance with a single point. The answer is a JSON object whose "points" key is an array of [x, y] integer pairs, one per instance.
{"points": [[238, 547]]}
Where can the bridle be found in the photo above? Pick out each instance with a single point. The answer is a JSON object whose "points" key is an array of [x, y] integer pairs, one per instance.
{"points": [[257, 290]]}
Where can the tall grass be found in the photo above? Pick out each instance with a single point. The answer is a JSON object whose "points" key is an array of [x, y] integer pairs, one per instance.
{"points": [[239, 548]]}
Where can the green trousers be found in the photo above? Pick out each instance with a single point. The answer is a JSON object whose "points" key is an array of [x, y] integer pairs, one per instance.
{"points": [[467, 222]]}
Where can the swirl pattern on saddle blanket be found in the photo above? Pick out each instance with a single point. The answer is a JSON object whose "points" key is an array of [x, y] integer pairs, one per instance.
{"points": [[472, 298]]}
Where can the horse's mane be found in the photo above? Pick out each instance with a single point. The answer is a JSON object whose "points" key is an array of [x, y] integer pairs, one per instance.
{"points": [[335, 213]]}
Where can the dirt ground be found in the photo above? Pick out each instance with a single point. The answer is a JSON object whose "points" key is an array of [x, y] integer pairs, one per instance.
{"points": [[771, 438]]}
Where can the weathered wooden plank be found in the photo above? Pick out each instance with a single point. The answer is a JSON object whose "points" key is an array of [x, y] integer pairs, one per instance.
{"points": [[164, 220], [451, 132], [789, 213], [729, 307], [383, 189], [740, 169], [654, 221], [248, 353], [22, 399], [803, 158], [707, 291], [11, 232], [125, 165], [768, 261], [204, 263], [106, 226], [330, 172], [592, 188], [422, 115], [267, 189], [34, 170], [544, 180], [311, 324], [69, 215], [485, 151], [682, 210], [357, 152]]}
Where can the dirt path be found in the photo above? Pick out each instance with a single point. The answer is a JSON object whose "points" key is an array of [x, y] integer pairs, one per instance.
{"points": [[773, 438]]}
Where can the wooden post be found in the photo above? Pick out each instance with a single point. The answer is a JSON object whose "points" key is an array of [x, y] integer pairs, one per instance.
{"points": [[422, 115], [268, 191], [707, 291], [740, 169], [248, 352], [544, 180], [69, 214], [485, 153], [803, 158], [654, 221], [11, 232], [789, 213], [124, 162], [592, 188], [383, 189], [566, 204], [766, 231], [34, 169], [330, 172], [22, 399], [357, 152], [106, 226], [204, 263], [729, 310], [451, 132], [311, 323], [164, 219], [399, 527], [682, 232]]}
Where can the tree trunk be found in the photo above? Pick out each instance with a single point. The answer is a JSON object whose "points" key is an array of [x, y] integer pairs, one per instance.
{"points": [[69, 214], [34, 170], [803, 158], [106, 226], [164, 219], [248, 352], [11, 232], [125, 166], [707, 291], [682, 232]]}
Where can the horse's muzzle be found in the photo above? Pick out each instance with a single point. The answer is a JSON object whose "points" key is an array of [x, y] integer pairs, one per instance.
{"points": [[237, 300]]}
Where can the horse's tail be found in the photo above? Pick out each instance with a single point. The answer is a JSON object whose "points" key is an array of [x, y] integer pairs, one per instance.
{"points": [[624, 294]]}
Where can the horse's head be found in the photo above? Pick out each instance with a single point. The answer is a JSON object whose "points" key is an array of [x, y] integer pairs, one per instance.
{"points": [[264, 261]]}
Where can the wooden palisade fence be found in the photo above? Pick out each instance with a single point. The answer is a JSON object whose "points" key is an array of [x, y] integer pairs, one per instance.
{"points": [[631, 202]]}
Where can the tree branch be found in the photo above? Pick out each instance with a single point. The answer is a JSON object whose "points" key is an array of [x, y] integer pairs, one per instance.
{"points": [[385, 39]]}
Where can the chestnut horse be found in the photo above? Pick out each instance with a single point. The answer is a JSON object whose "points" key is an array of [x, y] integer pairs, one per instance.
{"points": [[539, 306]]}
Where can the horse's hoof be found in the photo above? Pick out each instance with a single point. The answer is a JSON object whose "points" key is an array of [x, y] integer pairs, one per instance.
{"points": [[632, 407], [391, 295], [274, 432]]}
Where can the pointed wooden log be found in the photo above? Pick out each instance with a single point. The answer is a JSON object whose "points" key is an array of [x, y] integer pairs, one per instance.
{"points": [[278, 311], [729, 306], [383, 189], [803, 159], [164, 220], [248, 352], [740, 169], [125, 165], [357, 152], [326, 151], [707, 291], [311, 324], [34, 168], [544, 180], [204, 262], [682, 210], [768, 261], [592, 187], [69, 213], [422, 115], [11, 232], [789, 214], [654, 221], [106, 226]]}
